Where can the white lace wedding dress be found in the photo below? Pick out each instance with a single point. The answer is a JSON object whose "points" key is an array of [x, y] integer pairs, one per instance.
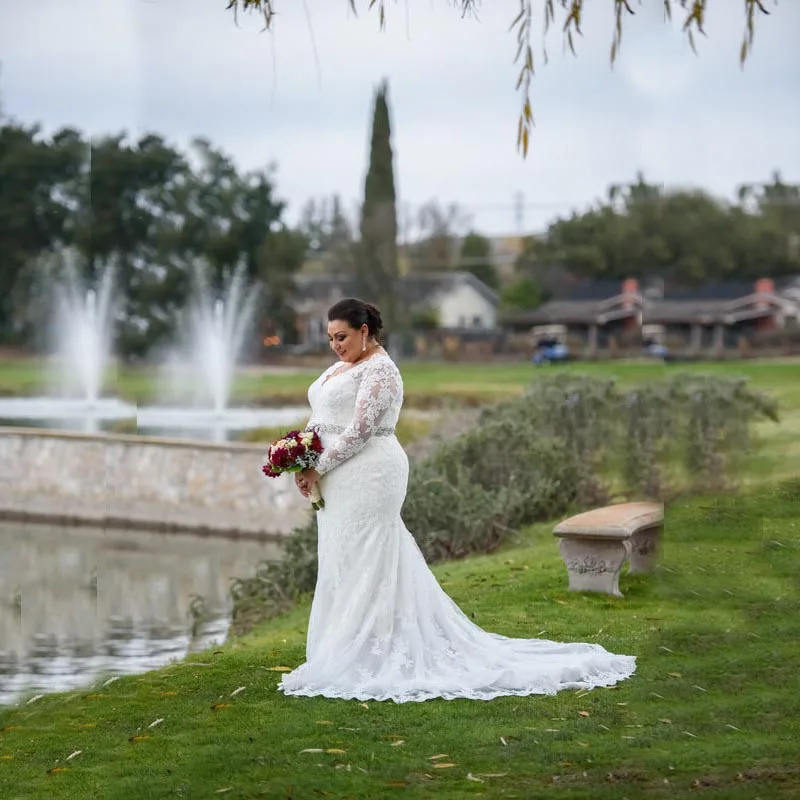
{"points": [[381, 627]]}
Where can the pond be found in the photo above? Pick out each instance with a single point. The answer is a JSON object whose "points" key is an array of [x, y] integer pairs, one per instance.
{"points": [[80, 604], [225, 425]]}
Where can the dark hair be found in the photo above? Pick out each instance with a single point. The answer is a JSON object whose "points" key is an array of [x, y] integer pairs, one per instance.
{"points": [[356, 313]]}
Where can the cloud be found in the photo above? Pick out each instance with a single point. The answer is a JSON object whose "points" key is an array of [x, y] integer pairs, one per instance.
{"points": [[300, 97]]}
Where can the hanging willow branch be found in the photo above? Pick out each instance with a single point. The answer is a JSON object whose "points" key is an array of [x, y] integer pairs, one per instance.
{"points": [[571, 12]]}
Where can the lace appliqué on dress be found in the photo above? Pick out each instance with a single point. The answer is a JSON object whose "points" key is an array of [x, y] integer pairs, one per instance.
{"points": [[379, 387]]}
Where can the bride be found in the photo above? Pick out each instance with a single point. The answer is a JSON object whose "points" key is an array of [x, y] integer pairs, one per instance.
{"points": [[381, 627]]}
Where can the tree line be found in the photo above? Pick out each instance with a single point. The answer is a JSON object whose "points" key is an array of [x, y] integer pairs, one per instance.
{"points": [[152, 210], [149, 209]]}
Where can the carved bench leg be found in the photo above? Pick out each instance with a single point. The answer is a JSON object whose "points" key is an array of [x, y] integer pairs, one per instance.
{"points": [[593, 565], [645, 545]]}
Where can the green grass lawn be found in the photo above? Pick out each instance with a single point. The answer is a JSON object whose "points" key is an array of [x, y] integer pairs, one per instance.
{"points": [[713, 709], [432, 383]]}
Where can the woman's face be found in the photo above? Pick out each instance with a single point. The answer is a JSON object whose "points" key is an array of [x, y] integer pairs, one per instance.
{"points": [[345, 341]]}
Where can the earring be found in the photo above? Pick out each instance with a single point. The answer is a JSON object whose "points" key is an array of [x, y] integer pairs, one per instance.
{"points": [[364, 345]]}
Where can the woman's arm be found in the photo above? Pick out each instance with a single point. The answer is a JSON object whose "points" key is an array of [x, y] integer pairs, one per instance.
{"points": [[380, 385]]}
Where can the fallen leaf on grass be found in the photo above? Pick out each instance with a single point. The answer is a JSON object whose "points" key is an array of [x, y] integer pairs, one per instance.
{"points": [[441, 755], [138, 738], [398, 743], [155, 722], [6, 758], [584, 714], [279, 669], [444, 765], [312, 750], [674, 674], [218, 706], [503, 742], [73, 755], [12, 728], [666, 721], [54, 770], [335, 750], [364, 705], [236, 691], [226, 789]]}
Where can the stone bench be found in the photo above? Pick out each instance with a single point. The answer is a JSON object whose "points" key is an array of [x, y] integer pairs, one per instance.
{"points": [[595, 545]]}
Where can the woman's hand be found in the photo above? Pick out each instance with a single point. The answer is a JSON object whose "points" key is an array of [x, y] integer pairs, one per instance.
{"points": [[306, 481], [310, 478]]}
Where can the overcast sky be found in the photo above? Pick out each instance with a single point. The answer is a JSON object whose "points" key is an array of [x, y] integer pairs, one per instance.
{"points": [[301, 96]]}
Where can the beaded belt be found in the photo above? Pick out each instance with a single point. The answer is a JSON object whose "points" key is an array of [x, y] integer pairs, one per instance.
{"points": [[324, 427]]}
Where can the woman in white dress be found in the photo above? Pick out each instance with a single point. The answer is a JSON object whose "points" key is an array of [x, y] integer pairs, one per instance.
{"points": [[381, 627]]}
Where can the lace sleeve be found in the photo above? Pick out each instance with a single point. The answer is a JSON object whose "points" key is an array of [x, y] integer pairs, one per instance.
{"points": [[379, 387]]}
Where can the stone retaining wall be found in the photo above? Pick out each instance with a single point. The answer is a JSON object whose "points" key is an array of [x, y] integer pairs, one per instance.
{"points": [[142, 482]]}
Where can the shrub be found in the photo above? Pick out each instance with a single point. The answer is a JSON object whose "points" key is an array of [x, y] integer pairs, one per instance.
{"points": [[562, 445]]}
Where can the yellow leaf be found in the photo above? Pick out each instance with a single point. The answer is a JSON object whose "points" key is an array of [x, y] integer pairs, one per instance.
{"points": [[279, 669], [138, 738], [674, 674], [12, 728], [335, 750], [444, 765], [441, 755], [218, 706], [583, 714], [54, 770], [6, 758], [364, 705], [168, 694]]}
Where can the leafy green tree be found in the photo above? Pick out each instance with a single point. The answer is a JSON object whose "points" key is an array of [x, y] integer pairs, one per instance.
{"points": [[686, 235], [476, 257], [521, 294]]}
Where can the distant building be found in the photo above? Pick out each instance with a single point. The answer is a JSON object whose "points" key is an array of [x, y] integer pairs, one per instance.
{"points": [[457, 301]]}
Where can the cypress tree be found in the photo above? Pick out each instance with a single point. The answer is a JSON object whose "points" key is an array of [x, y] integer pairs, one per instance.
{"points": [[377, 268]]}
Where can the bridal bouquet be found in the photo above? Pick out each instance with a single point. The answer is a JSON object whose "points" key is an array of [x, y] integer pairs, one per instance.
{"points": [[296, 451]]}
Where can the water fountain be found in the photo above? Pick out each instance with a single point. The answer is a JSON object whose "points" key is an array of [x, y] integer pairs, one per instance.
{"points": [[82, 334], [199, 376]]}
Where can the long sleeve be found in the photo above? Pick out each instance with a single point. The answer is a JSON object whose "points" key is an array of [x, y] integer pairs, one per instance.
{"points": [[378, 389]]}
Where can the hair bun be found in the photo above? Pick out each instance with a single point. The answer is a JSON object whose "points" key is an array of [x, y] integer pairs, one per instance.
{"points": [[376, 322]]}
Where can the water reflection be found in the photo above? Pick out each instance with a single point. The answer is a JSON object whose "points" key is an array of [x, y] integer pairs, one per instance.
{"points": [[77, 604]]}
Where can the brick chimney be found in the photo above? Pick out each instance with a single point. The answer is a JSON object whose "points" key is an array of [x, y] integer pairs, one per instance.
{"points": [[765, 286], [630, 286]]}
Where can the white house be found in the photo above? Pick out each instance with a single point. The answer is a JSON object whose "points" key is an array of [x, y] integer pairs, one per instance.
{"points": [[457, 300]]}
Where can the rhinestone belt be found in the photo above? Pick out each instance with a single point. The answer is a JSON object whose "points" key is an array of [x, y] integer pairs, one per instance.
{"points": [[324, 427]]}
